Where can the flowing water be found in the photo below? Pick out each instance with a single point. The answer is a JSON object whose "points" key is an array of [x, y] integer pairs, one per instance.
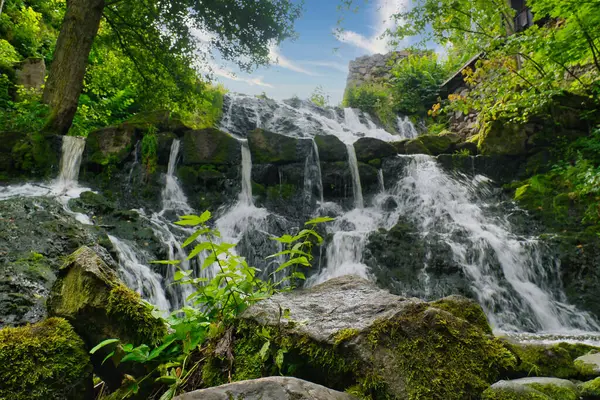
{"points": [[513, 276]]}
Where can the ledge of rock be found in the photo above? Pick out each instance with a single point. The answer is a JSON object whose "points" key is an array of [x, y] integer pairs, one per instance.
{"points": [[351, 336], [368, 149], [272, 148], [210, 146], [331, 148], [271, 388]]}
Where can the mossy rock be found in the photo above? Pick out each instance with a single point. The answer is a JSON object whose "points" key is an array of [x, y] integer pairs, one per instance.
{"points": [[348, 335], [89, 295], [590, 390], [161, 120], [331, 148], [540, 360], [34, 155], [588, 364], [210, 146], [45, 361], [435, 144], [272, 148], [400, 146], [502, 138], [368, 149], [466, 309], [108, 145], [416, 146], [532, 389]]}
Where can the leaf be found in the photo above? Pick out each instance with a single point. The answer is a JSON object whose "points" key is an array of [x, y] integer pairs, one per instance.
{"points": [[279, 358], [284, 239], [102, 344], [179, 275], [194, 220], [112, 353], [169, 394], [264, 350], [200, 247], [194, 236], [166, 262], [319, 220]]}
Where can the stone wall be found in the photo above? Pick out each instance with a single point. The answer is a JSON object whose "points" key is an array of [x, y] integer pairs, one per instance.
{"points": [[373, 68]]}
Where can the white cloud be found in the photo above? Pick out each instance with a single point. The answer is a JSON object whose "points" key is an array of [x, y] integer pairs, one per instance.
{"points": [[252, 81], [338, 66], [383, 21], [283, 62]]}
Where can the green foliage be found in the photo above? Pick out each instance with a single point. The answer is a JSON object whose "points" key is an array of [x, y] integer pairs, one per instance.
{"points": [[150, 151], [415, 83], [375, 99], [34, 358], [570, 192], [319, 97], [214, 304]]}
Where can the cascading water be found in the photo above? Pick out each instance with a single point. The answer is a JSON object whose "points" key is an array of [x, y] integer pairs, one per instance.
{"points": [[518, 290], [172, 195], [312, 175], [406, 129], [70, 162], [356, 185], [138, 276]]}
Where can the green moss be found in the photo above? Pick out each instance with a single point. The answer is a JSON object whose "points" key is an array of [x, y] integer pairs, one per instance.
{"points": [[466, 309], [591, 389], [126, 308], [272, 148], [44, 361], [507, 394], [443, 358], [436, 144], [32, 155], [344, 335], [376, 163], [284, 191], [556, 392], [543, 360]]}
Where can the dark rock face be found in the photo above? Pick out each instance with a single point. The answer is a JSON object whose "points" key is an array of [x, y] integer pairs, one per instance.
{"points": [[25, 156], [210, 146], [35, 233], [272, 388], [432, 144], [110, 145], [272, 148], [331, 148], [368, 149]]}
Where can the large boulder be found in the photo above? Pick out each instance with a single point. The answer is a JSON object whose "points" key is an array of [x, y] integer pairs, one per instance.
{"points": [[432, 144], [349, 335], [368, 149], [502, 138], [532, 389], [588, 364], [272, 388], [331, 148], [272, 148], [45, 361], [109, 145], [555, 360], [210, 146], [89, 295]]}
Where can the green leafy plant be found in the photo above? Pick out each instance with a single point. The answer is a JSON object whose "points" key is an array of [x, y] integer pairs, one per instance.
{"points": [[150, 150], [214, 304], [319, 97]]}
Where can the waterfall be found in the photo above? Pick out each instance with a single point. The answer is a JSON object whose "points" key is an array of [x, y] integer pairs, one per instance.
{"points": [[246, 193], [513, 283], [356, 186], [406, 129], [380, 180], [312, 175], [138, 276], [70, 161], [172, 195]]}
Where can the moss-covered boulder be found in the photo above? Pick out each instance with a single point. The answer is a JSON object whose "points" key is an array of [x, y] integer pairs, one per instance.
{"points": [[348, 335], [532, 389], [89, 295], [210, 146], [272, 148], [28, 155], [432, 144], [466, 309], [331, 148], [554, 360], [590, 390], [45, 361], [588, 364], [400, 146], [162, 120], [368, 149], [502, 138], [109, 145]]}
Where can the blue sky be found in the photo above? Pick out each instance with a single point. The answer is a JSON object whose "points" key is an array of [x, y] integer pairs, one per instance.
{"points": [[318, 57]]}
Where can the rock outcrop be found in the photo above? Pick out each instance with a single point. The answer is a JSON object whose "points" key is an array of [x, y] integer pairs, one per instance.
{"points": [[532, 389], [272, 388], [46, 360], [349, 335], [89, 295]]}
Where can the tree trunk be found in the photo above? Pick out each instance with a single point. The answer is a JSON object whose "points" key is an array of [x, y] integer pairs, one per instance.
{"points": [[1, 6], [65, 81]]}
